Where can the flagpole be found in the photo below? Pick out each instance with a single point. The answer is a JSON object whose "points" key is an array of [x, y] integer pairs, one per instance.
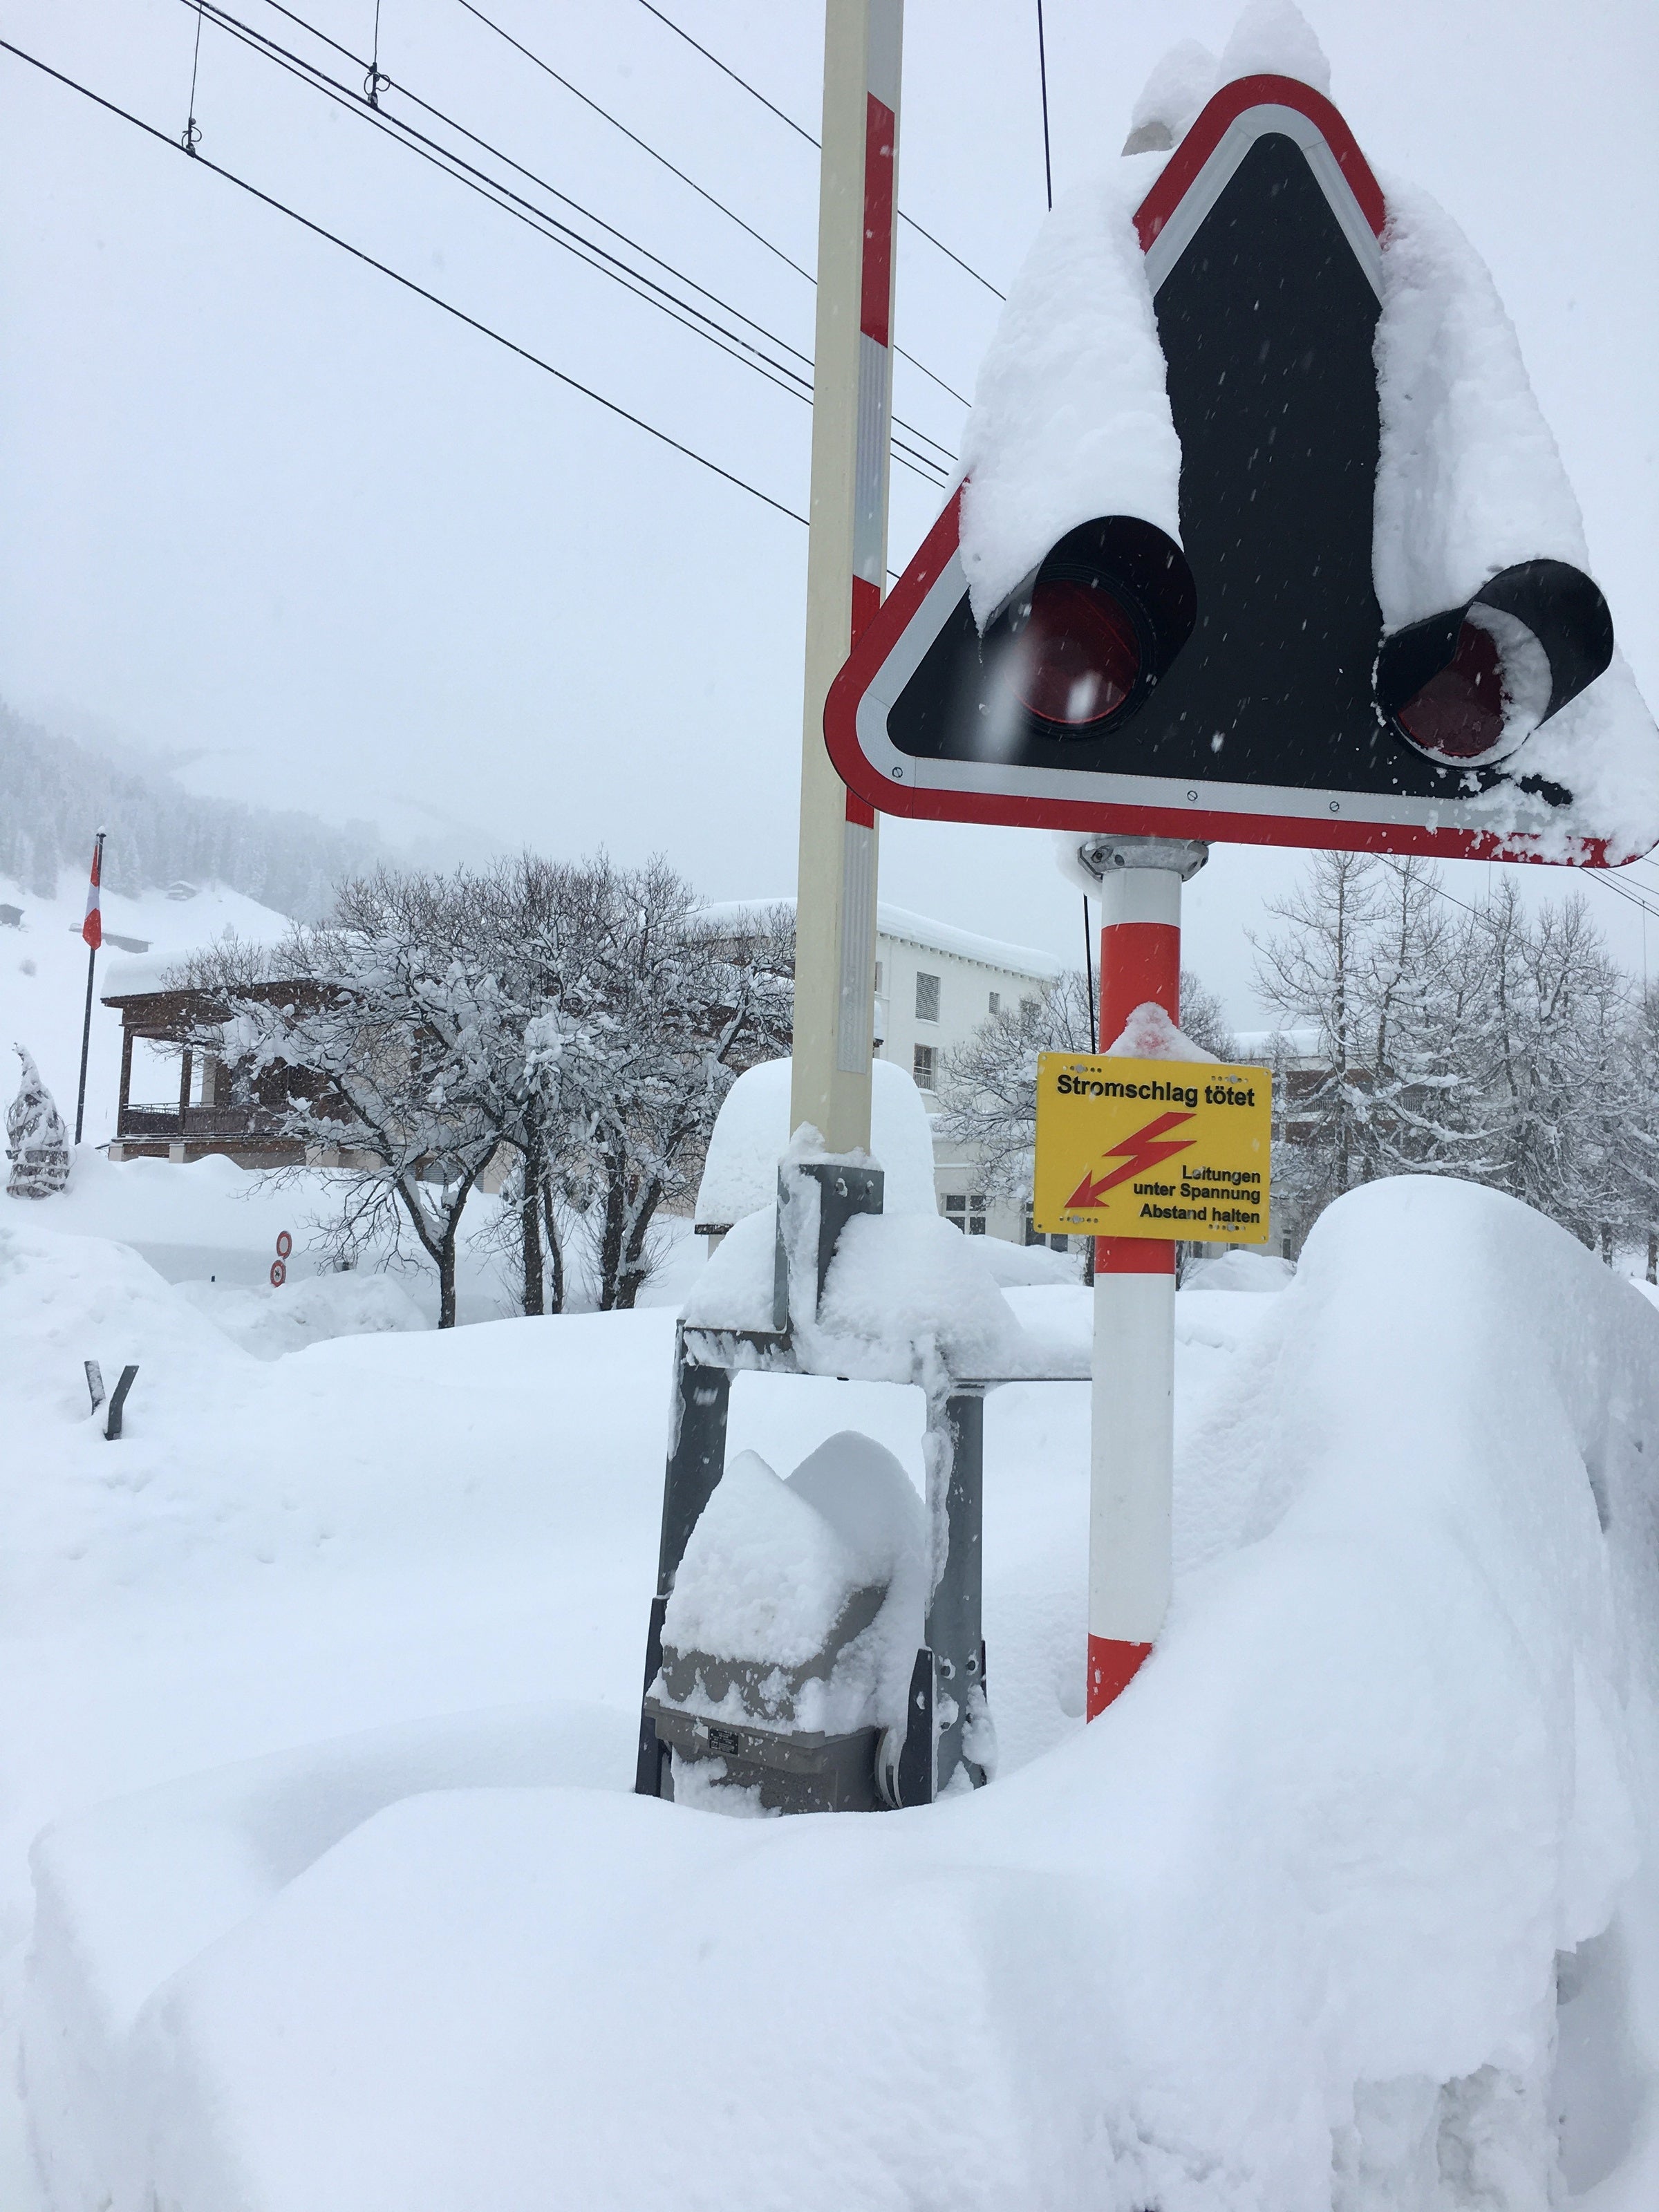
{"points": [[92, 943]]}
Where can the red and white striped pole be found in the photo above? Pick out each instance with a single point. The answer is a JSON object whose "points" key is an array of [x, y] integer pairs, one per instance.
{"points": [[1132, 1425], [846, 559]]}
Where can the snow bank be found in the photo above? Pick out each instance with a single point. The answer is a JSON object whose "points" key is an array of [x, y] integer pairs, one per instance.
{"points": [[205, 1854], [1292, 1906], [1071, 416], [752, 1133], [1282, 1930], [270, 1322]]}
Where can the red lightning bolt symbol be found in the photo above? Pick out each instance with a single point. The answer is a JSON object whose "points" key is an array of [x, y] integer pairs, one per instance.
{"points": [[1139, 1152]]}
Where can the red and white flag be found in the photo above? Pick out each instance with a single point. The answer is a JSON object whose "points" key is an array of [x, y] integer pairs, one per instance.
{"points": [[93, 927]]}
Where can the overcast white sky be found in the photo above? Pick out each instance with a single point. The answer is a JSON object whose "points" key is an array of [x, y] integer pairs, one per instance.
{"points": [[272, 518]]}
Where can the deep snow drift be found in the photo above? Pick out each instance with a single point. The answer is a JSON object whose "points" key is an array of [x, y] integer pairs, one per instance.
{"points": [[1282, 1930]]}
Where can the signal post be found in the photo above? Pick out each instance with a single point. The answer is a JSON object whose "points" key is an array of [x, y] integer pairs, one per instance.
{"points": [[1131, 1399]]}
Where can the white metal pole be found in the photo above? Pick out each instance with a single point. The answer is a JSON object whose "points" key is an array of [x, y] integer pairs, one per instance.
{"points": [[847, 558]]}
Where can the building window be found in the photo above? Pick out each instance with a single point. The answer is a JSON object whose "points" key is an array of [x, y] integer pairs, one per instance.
{"points": [[967, 1214], [921, 1067], [996, 1002], [878, 974], [927, 998]]}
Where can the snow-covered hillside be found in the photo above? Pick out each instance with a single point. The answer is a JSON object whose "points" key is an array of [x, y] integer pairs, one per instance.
{"points": [[43, 978], [1344, 1905]]}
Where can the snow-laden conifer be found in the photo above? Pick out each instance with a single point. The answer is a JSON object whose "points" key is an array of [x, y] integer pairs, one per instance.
{"points": [[37, 1143]]}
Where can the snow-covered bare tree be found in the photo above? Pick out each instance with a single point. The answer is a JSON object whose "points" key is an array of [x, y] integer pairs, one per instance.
{"points": [[37, 1142], [379, 1044], [1483, 1041], [1540, 1047], [671, 1011]]}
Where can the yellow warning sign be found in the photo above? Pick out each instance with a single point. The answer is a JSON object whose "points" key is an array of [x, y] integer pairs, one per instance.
{"points": [[1174, 1148]]}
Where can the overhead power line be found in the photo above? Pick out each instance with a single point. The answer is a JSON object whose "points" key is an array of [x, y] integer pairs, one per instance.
{"points": [[646, 147], [409, 284], [233, 24], [560, 233], [801, 131]]}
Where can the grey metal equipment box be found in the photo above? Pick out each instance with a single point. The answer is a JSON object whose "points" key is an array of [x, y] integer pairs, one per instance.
{"points": [[752, 1734]]}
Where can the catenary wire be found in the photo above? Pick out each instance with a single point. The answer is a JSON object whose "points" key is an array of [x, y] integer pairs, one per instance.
{"points": [[322, 36], [225, 21], [549, 227], [409, 284], [801, 131], [645, 146]]}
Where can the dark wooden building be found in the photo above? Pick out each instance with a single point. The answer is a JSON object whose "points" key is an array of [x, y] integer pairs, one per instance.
{"points": [[200, 1114]]}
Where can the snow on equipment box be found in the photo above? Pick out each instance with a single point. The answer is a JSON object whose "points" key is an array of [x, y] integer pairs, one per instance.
{"points": [[1262, 538], [1175, 1148]]}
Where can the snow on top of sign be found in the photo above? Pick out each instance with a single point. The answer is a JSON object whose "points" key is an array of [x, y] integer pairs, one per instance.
{"points": [[1273, 38], [1149, 1034], [1071, 416], [1171, 98], [1470, 481]]}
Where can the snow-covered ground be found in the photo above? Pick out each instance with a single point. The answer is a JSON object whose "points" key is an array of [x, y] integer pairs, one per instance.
{"points": [[361, 1626]]}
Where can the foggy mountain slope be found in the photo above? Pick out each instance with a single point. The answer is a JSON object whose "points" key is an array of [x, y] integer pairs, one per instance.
{"points": [[55, 794]]}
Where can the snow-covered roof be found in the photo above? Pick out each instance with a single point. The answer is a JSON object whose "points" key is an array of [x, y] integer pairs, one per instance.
{"points": [[898, 921]]}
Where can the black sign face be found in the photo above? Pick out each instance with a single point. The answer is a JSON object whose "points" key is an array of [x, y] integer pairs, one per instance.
{"points": [[1229, 687]]}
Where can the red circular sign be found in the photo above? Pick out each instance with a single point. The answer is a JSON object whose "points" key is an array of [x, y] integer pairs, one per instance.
{"points": [[284, 1244], [278, 1274]]}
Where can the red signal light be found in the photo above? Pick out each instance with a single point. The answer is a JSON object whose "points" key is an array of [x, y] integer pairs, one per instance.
{"points": [[1458, 714], [1080, 653]]}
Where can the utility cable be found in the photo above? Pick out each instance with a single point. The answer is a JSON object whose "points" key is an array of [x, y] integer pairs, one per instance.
{"points": [[409, 284], [1042, 78], [548, 226], [233, 25], [645, 147], [801, 131]]}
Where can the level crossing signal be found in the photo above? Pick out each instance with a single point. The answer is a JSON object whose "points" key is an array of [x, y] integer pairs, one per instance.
{"points": [[1237, 686]]}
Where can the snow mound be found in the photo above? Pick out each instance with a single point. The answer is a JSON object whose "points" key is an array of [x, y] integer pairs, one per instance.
{"points": [[1149, 1034], [1071, 417], [916, 1280], [1240, 1271], [752, 1134], [766, 1574], [207, 1852], [270, 1322]]}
